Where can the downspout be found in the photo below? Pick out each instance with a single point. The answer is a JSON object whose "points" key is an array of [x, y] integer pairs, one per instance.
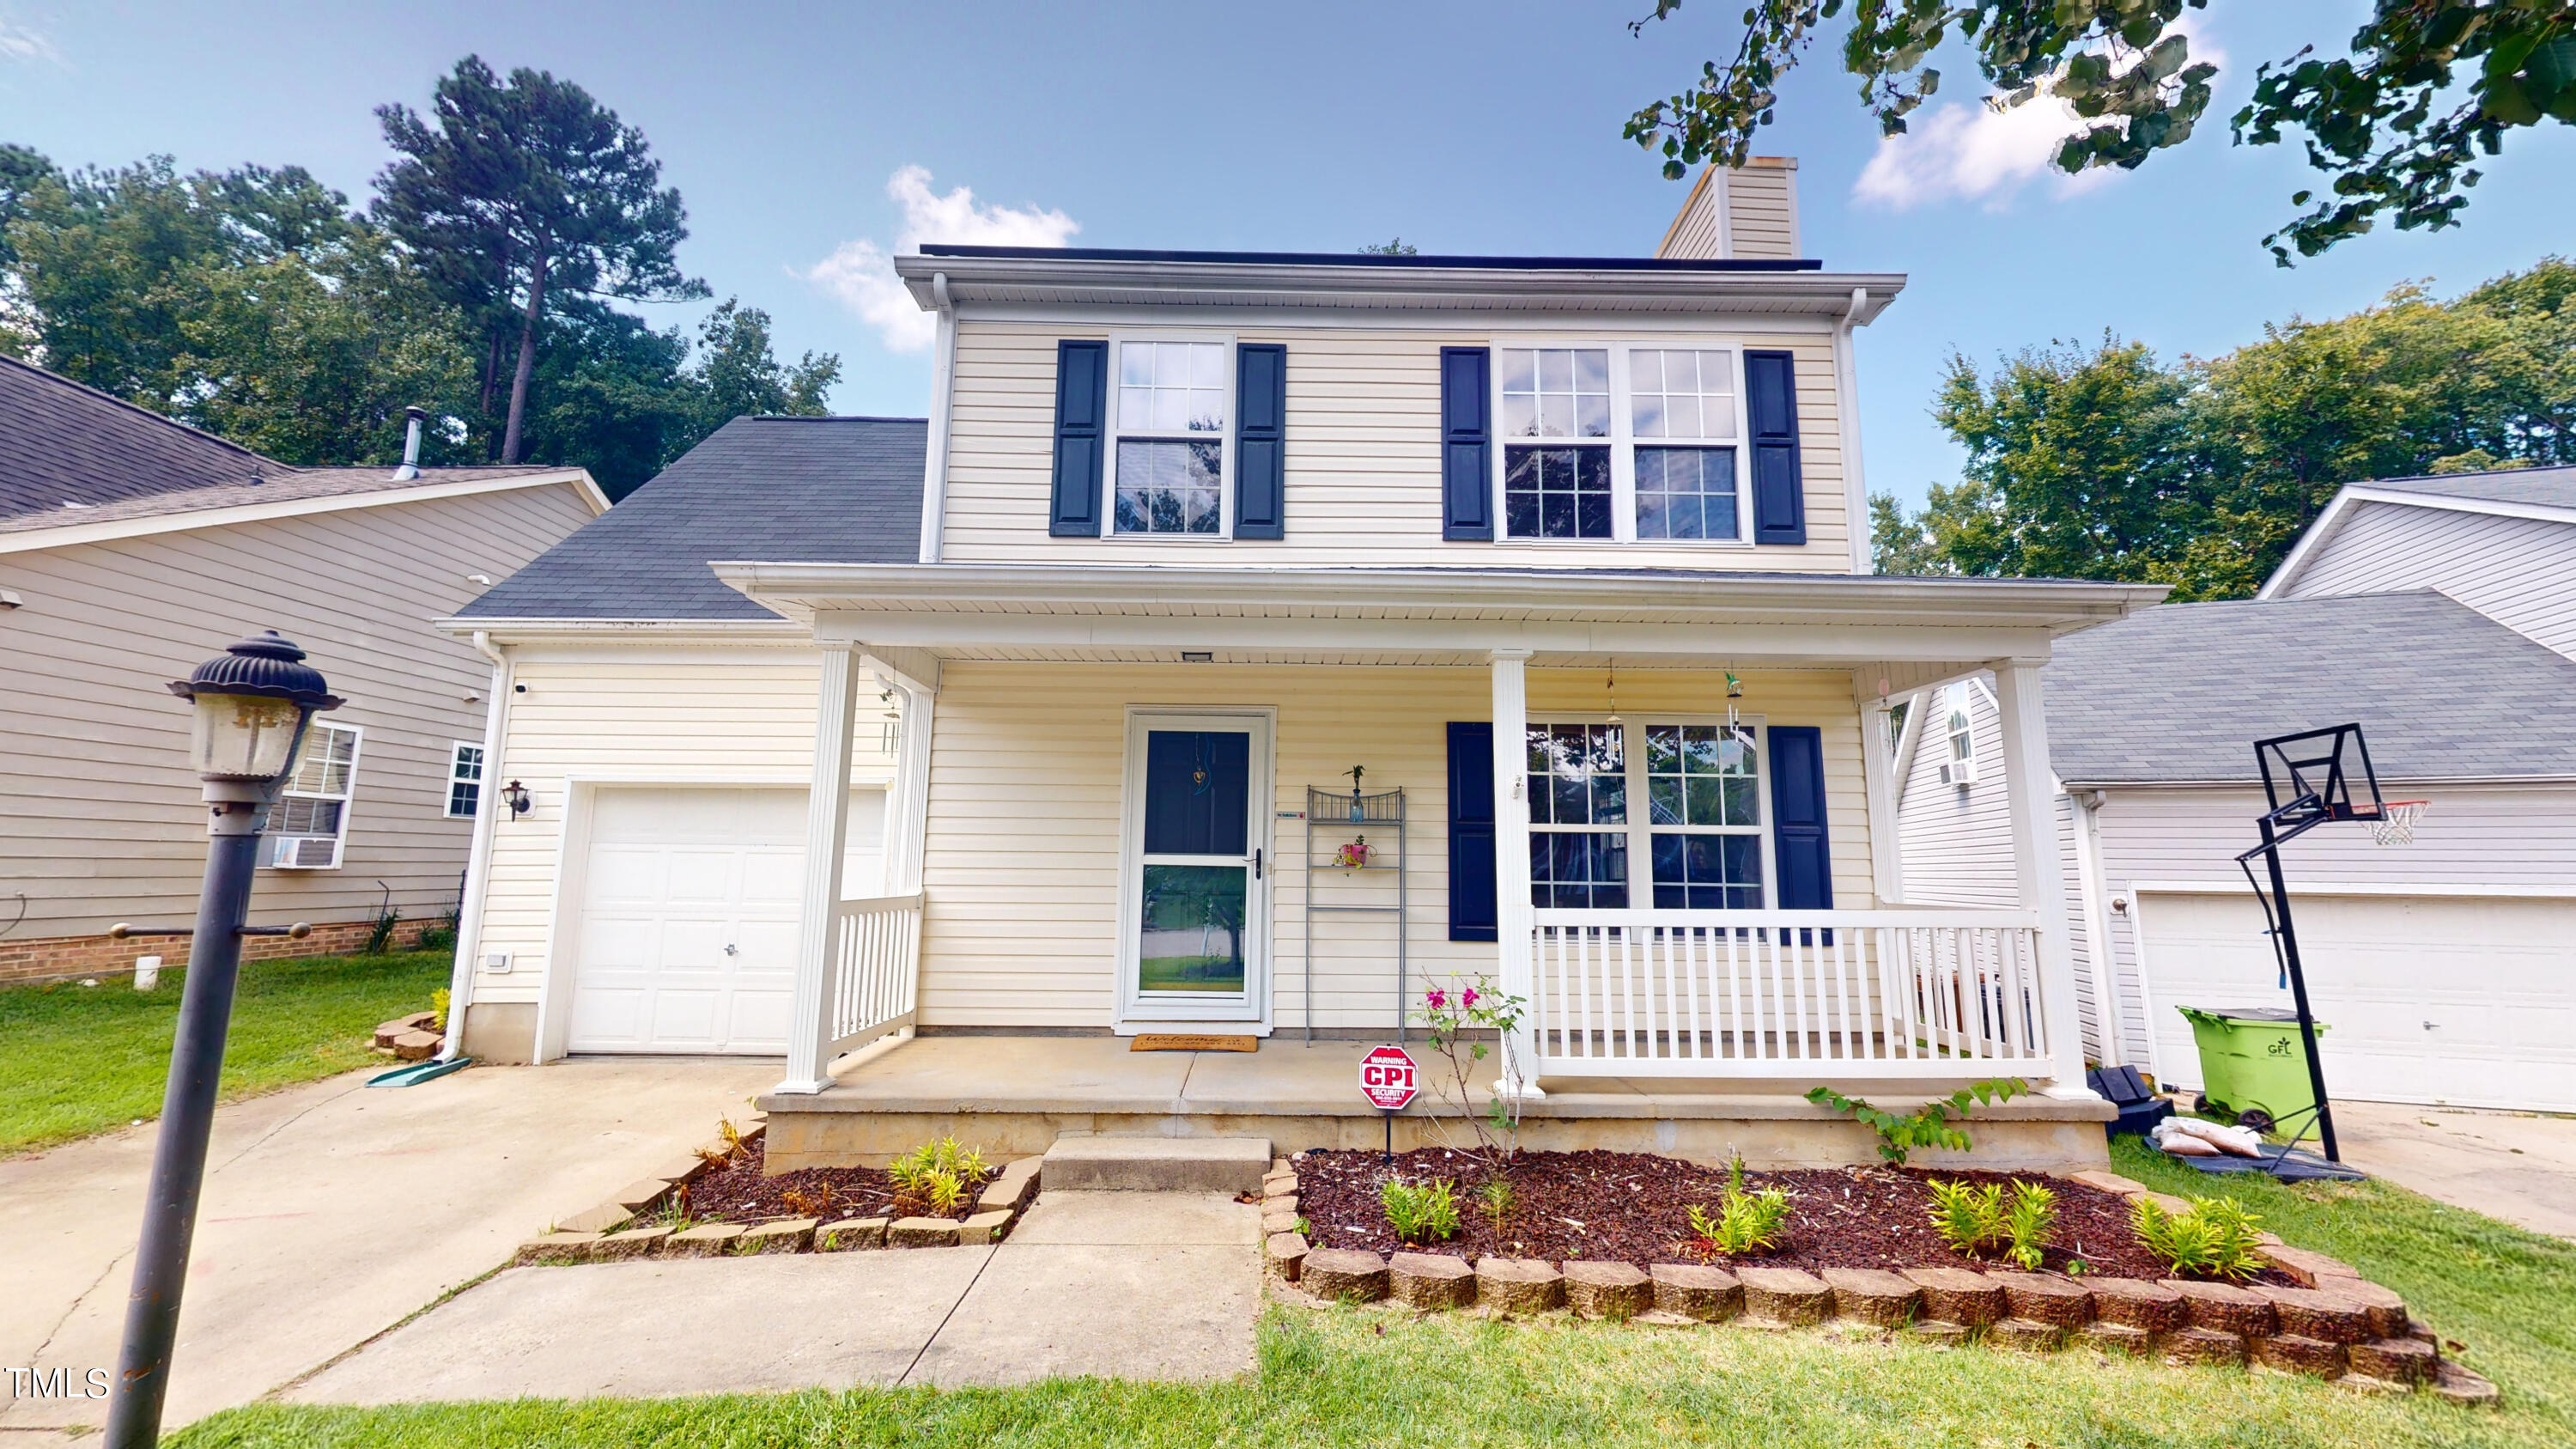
{"points": [[943, 374], [1847, 400], [2098, 947], [478, 860]]}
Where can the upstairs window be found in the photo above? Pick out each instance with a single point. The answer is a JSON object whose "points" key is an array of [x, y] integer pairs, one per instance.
{"points": [[1619, 443], [1959, 764], [1171, 419], [464, 780]]}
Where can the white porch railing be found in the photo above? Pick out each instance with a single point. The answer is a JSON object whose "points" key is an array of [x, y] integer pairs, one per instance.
{"points": [[1839, 994], [875, 985]]}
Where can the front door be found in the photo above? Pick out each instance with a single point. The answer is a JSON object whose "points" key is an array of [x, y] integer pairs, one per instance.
{"points": [[1194, 918]]}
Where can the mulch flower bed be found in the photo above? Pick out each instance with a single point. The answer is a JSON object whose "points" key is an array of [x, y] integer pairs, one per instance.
{"points": [[1634, 1207], [737, 1193]]}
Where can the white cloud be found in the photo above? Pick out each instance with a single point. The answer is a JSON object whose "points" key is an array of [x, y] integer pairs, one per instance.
{"points": [[861, 273], [19, 41], [1974, 152]]}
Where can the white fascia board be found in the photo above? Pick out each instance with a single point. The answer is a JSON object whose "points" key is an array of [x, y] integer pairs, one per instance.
{"points": [[2351, 495], [1446, 322], [2050, 606], [1134, 281], [636, 631], [72, 534]]}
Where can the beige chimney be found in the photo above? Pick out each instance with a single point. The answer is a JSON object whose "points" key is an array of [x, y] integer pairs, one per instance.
{"points": [[1741, 212]]}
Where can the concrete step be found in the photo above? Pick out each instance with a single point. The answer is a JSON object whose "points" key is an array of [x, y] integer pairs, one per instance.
{"points": [[1156, 1164]]}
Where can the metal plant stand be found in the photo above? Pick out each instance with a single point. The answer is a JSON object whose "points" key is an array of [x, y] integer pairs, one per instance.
{"points": [[1339, 818]]}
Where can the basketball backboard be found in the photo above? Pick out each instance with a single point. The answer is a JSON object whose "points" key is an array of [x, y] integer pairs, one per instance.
{"points": [[2317, 776]]}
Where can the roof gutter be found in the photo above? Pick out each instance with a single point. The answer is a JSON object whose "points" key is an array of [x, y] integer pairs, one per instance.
{"points": [[943, 388], [478, 861]]}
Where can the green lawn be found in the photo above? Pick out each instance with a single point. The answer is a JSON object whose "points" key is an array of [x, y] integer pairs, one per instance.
{"points": [[81, 1059], [1373, 1377]]}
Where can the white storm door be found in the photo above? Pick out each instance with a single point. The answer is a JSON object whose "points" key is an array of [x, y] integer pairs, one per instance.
{"points": [[1194, 906]]}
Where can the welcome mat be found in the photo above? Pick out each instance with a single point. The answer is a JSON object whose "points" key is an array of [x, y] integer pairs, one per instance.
{"points": [[1182, 1041]]}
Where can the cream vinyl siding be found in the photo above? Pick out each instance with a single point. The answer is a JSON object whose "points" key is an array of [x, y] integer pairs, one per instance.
{"points": [[1956, 841], [99, 815], [1363, 459], [2520, 572], [1694, 230], [1021, 870], [1762, 208], [645, 718]]}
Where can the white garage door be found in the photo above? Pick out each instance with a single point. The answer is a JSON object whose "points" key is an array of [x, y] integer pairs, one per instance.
{"points": [[2430, 999], [687, 936]]}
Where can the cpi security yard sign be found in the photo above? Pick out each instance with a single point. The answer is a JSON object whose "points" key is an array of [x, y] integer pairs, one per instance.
{"points": [[1388, 1079]]}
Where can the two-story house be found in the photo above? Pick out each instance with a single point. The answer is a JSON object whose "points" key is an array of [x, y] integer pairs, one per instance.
{"points": [[993, 742]]}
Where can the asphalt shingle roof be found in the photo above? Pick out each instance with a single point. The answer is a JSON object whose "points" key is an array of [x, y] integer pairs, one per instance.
{"points": [[2544, 487], [61, 442], [2180, 692], [810, 490]]}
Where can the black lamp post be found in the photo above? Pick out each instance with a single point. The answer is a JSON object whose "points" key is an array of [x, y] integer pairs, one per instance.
{"points": [[252, 707]]}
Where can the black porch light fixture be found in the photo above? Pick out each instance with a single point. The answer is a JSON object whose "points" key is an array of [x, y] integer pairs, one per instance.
{"points": [[251, 706]]}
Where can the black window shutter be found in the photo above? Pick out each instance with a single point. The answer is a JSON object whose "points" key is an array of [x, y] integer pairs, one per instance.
{"points": [[1081, 408], [1260, 440], [1466, 444], [1474, 912], [1798, 819], [1779, 494]]}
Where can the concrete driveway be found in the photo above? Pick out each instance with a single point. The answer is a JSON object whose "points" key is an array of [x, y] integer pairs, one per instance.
{"points": [[331, 1212], [2510, 1165]]}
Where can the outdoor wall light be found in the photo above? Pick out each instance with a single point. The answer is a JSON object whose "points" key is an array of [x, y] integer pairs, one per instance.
{"points": [[515, 795], [251, 707]]}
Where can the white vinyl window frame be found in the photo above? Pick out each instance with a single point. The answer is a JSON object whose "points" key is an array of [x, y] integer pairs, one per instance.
{"points": [[1959, 734], [1640, 828], [464, 779], [1114, 431], [322, 786], [1623, 441]]}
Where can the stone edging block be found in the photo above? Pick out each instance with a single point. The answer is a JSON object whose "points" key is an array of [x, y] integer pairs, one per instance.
{"points": [[1519, 1285], [1786, 1296], [1959, 1295], [1692, 1291], [1607, 1290], [1869, 1295], [709, 1240], [850, 1234], [1430, 1280], [1343, 1274], [786, 1235]]}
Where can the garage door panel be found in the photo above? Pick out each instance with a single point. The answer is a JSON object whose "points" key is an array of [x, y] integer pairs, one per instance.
{"points": [[673, 875], [2495, 977]]}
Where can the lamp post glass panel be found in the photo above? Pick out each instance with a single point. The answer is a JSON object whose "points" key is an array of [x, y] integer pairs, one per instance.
{"points": [[252, 704]]}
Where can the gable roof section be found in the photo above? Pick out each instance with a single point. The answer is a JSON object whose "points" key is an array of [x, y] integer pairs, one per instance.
{"points": [[2548, 493], [824, 490], [2179, 693], [61, 442]]}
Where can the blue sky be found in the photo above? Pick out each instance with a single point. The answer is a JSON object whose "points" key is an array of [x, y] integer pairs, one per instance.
{"points": [[1488, 128]]}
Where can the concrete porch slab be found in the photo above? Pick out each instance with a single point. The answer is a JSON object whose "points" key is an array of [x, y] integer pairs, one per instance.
{"points": [[1014, 1096]]}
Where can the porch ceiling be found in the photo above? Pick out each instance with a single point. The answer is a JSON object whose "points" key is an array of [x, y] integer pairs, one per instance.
{"points": [[1563, 617]]}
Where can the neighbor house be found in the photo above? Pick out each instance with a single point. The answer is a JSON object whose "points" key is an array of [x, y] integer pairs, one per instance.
{"points": [[2436, 612], [132, 548], [949, 758]]}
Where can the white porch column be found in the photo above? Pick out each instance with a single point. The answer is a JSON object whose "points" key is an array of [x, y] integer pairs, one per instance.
{"points": [[1511, 865], [2036, 864], [827, 832], [908, 799], [1878, 777]]}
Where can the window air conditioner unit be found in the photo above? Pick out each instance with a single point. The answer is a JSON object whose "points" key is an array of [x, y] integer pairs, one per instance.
{"points": [[1958, 772], [305, 852]]}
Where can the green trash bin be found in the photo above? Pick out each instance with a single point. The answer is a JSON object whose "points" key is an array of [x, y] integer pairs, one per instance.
{"points": [[2251, 1062]]}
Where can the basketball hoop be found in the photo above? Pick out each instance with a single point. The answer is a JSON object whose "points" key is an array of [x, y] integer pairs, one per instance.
{"points": [[2395, 823]]}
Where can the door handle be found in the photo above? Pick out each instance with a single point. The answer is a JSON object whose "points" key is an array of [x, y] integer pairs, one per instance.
{"points": [[730, 949], [1256, 864]]}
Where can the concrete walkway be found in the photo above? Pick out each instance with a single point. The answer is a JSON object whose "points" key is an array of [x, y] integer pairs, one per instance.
{"points": [[1127, 1284], [2509, 1165], [330, 1213]]}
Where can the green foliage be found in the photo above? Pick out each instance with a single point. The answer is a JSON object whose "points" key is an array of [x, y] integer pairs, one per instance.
{"points": [[380, 936], [1455, 1021], [1967, 1217], [2215, 1239], [2105, 463], [939, 1175], [2028, 1222], [2125, 67], [1926, 1126], [1420, 1212], [1496, 1200], [438, 1003], [1398, 247], [1746, 1222]]}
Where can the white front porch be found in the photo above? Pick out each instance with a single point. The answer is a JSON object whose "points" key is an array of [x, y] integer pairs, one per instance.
{"points": [[1722, 1005]]}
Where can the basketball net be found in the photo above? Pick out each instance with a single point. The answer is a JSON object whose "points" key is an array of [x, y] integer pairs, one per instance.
{"points": [[2395, 823]]}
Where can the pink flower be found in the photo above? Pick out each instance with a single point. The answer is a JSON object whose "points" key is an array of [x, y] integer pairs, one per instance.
{"points": [[1435, 998], [1467, 997]]}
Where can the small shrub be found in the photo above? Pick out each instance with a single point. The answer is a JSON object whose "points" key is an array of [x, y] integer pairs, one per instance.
{"points": [[438, 1003], [937, 1176], [807, 1202], [1746, 1222], [2028, 1222], [381, 937], [1424, 1212], [732, 1145], [2215, 1239], [1967, 1216], [1926, 1126], [1494, 1199]]}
